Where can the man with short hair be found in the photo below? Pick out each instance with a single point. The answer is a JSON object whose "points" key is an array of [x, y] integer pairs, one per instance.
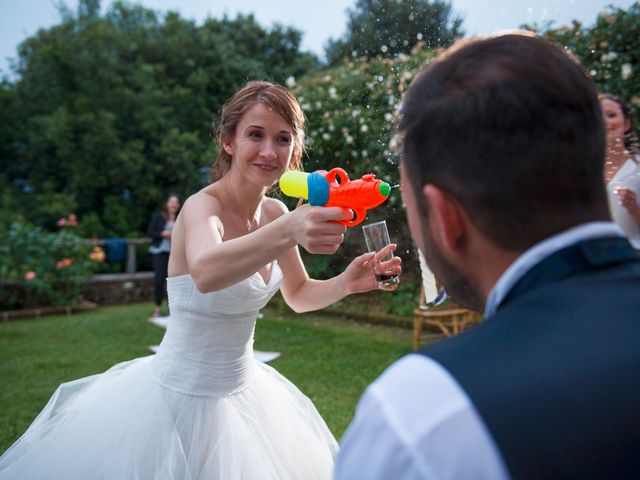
{"points": [[501, 172]]}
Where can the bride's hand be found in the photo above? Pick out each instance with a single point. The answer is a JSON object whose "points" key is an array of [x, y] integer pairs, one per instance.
{"points": [[315, 228], [360, 276]]}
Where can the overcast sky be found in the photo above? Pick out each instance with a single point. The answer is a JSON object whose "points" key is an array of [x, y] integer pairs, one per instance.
{"points": [[318, 19]]}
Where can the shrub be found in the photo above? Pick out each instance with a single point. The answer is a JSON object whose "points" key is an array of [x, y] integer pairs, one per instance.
{"points": [[351, 113], [39, 268]]}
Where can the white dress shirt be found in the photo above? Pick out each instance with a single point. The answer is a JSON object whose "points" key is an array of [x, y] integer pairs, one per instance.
{"points": [[416, 422]]}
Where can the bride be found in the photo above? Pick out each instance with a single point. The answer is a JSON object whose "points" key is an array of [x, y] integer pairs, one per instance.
{"points": [[202, 407]]}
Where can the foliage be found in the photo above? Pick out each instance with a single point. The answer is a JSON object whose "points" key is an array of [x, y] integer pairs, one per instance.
{"points": [[351, 121], [609, 50], [40, 268], [110, 113], [389, 27], [330, 362]]}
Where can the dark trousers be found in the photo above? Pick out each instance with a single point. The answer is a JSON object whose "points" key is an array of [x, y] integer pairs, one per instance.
{"points": [[160, 270]]}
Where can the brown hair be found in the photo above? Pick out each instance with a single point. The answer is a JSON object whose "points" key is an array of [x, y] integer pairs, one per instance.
{"points": [[512, 128], [165, 210], [630, 140], [272, 95]]}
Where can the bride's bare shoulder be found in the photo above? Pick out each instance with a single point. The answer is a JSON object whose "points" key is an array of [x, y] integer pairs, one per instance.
{"points": [[274, 207], [206, 199]]}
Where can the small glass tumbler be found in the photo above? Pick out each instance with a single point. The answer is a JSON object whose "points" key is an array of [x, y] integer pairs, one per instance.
{"points": [[376, 237]]}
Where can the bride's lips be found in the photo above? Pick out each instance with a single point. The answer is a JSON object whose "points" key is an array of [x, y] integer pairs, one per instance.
{"points": [[265, 166]]}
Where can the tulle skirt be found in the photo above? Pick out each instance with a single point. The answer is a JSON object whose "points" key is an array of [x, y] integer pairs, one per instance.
{"points": [[123, 425]]}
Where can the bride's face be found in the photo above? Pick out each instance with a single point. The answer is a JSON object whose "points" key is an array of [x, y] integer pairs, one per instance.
{"points": [[262, 145]]}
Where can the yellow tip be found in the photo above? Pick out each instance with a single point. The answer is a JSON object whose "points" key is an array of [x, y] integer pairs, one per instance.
{"points": [[294, 184]]}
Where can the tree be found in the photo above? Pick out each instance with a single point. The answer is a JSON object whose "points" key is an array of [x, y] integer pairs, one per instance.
{"points": [[389, 27], [111, 112], [609, 50]]}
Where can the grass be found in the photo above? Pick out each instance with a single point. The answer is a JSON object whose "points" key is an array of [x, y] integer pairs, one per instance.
{"points": [[331, 361]]}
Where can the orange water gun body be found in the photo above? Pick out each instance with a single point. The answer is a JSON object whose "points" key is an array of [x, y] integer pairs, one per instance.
{"points": [[334, 189]]}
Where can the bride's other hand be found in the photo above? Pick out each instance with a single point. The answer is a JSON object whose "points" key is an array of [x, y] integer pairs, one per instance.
{"points": [[360, 275]]}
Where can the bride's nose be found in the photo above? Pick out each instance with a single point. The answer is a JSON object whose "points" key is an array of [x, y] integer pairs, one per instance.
{"points": [[268, 149]]}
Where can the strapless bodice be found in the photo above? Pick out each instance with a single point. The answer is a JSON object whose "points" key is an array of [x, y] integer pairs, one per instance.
{"points": [[208, 346]]}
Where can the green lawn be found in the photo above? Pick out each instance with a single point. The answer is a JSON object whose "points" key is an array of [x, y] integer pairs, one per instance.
{"points": [[331, 361]]}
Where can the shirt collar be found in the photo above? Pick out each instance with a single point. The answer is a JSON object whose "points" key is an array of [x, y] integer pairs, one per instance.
{"points": [[538, 252]]}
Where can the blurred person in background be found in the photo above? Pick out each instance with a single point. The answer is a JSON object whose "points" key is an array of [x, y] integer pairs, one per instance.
{"points": [[159, 230]]}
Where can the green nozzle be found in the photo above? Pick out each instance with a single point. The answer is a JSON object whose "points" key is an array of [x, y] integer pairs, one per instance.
{"points": [[385, 189]]}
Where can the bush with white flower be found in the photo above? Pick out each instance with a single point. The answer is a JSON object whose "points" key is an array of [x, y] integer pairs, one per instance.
{"points": [[351, 111], [609, 50]]}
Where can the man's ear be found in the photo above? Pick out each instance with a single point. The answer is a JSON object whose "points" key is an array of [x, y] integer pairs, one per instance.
{"points": [[446, 220]]}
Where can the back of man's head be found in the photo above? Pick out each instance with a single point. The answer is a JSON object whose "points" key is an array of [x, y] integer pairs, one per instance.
{"points": [[511, 127]]}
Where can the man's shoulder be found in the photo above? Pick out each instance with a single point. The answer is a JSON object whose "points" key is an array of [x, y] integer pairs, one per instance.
{"points": [[416, 393], [418, 423]]}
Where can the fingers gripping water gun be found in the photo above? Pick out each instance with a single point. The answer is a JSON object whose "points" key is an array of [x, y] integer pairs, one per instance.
{"points": [[334, 189]]}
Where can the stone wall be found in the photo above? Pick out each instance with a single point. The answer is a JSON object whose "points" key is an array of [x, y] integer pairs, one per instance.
{"points": [[119, 288]]}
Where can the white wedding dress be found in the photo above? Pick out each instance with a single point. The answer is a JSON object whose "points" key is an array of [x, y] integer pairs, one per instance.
{"points": [[201, 408]]}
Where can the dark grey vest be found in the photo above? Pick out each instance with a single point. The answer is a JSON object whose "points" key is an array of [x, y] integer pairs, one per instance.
{"points": [[555, 374]]}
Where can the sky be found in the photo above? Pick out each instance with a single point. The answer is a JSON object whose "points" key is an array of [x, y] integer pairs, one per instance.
{"points": [[319, 20]]}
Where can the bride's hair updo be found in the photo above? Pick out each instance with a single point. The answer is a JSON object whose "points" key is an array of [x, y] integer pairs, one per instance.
{"points": [[273, 96]]}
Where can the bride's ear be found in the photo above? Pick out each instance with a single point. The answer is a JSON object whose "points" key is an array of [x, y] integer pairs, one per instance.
{"points": [[227, 144], [447, 221]]}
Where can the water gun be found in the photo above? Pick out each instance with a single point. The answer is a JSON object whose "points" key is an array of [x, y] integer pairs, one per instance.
{"points": [[334, 189]]}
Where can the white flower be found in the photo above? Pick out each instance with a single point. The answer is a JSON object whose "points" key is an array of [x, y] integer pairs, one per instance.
{"points": [[364, 128], [388, 117], [608, 57], [290, 81], [626, 71], [349, 139], [364, 153], [333, 92], [332, 127], [355, 113], [318, 104], [326, 136], [306, 106]]}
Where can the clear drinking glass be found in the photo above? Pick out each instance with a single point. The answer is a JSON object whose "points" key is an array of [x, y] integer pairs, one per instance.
{"points": [[376, 237]]}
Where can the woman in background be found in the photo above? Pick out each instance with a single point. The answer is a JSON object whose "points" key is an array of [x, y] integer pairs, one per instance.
{"points": [[622, 171], [160, 232]]}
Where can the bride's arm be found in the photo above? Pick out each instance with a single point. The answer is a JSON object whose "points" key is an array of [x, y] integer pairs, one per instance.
{"points": [[214, 264], [304, 294]]}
